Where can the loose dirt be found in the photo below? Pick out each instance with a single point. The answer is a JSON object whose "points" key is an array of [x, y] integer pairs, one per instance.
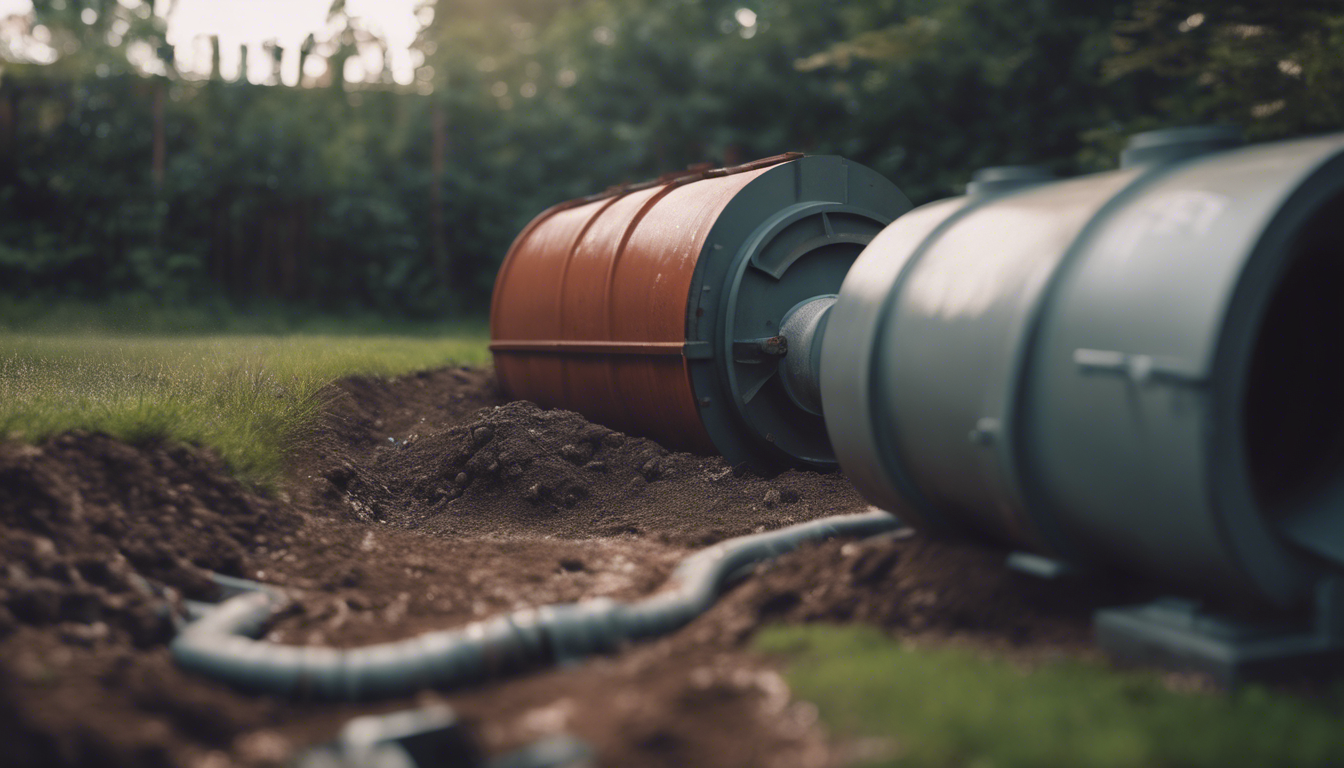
{"points": [[518, 470], [421, 503]]}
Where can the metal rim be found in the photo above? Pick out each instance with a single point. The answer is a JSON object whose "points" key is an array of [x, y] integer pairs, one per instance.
{"points": [[851, 190], [1251, 530], [792, 442]]}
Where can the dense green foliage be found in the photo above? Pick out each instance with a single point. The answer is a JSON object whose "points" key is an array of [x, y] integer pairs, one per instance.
{"points": [[937, 708], [246, 396], [404, 199]]}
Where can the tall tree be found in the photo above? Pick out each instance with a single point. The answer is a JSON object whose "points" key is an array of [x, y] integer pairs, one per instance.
{"points": [[1276, 68]]}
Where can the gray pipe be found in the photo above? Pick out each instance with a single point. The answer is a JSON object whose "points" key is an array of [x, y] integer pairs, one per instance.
{"points": [[219, 645]]}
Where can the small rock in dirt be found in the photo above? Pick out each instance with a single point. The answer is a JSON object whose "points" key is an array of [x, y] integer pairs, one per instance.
{"points": [[481, 435], [85, 635], [340, 476], [462, 478], [593, 433], [36, 601], [652, 469], [578, 454], [482, 464], [573, 494], [147, 624], [596, 465], [772, 498], [99, 570], [263, 747], [613, 440], [445, 494], [715, 477], [43, 548]]}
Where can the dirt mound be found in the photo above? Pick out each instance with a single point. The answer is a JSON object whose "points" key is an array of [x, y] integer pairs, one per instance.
{"points": [[99, 541], [96, 534], [518, 469], [364, 410], [913, 584]]}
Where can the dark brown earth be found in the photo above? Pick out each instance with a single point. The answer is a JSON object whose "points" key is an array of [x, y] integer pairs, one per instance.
{"points": [[422, 503]]}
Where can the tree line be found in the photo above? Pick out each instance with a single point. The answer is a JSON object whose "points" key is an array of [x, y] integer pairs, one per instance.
{"points": [[403, 198]]}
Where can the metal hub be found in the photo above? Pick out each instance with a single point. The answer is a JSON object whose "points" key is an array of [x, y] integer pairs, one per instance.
{"points": [[774, 260]]}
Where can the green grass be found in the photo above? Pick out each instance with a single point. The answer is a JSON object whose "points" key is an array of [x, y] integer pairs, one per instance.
{"points": [[948, 707], [246, 396], [142, 315]]}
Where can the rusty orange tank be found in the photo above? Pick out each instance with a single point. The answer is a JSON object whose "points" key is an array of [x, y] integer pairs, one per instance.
{"points": [[656, 308]]}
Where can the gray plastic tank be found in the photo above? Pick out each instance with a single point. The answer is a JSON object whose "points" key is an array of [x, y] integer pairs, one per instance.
{"points": [[1141, 367]]}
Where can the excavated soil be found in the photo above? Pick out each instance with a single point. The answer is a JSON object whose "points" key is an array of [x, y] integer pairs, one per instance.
{"points": [[518, 470], [421, 503]]}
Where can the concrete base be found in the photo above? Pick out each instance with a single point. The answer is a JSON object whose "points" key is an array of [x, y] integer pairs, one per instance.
{"points": [[1178, 634]]}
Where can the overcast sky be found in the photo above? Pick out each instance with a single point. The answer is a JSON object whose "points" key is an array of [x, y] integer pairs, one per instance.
{"points": [[288, 22]]}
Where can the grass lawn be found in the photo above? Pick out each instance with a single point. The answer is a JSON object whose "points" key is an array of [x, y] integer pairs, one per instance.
{"points": [[244, 395], [947, 707]]}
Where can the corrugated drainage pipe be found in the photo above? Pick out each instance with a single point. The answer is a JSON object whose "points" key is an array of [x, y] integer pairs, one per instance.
{"points": [[220, 644]]}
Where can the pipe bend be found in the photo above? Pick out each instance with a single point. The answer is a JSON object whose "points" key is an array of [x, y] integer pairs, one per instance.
{"points": [[221, 644]]}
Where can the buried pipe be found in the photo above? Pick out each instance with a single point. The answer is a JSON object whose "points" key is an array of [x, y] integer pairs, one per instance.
{"points": [[221, 645]]}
